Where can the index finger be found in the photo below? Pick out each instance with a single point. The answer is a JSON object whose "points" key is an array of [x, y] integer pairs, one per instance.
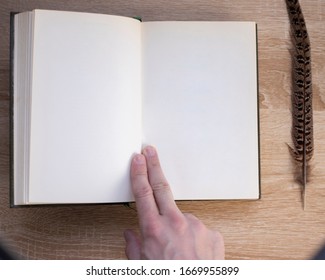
{"points": [[142, 191]]}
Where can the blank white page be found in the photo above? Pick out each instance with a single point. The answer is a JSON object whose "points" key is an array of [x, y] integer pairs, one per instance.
{"points": [[86, 107], [200, 106]]}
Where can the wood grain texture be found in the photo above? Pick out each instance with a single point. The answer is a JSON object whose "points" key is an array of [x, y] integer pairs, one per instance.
{"points": [[275, 227]]}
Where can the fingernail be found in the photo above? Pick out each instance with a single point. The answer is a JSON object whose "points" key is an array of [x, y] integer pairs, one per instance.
{"points": [[150, 151], [138, 159]]}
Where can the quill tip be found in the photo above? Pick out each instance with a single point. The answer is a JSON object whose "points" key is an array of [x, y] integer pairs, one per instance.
{"points": [[303, 194]]}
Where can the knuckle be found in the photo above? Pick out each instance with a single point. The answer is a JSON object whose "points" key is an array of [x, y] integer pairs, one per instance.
{"points": [[160, 186], [136, 177], [142, 191], [179, 223], [138, 172], [192, 218], [153, 230], [177, 218], [195, 222]]}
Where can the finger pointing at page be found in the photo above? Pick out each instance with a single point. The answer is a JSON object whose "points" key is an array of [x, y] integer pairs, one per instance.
{"points": [[161, 190], [142, 191]]}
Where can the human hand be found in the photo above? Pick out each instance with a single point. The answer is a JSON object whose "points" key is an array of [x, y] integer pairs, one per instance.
{"points": [[166, 233]]}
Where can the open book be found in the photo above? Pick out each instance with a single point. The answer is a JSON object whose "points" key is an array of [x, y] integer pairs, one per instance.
{"points": [[89, 90]]}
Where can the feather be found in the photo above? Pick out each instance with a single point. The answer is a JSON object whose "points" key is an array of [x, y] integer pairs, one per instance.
{"points": [[301, 97]]}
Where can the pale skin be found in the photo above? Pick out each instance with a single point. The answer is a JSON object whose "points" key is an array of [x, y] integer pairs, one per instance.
{"points": [[165, 232]]}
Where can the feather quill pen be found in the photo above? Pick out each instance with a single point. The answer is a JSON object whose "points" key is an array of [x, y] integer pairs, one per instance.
{"points": [[301, 98]]}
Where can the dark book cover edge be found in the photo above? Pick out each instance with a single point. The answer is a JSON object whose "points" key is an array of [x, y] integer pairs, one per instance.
{"points": [[258, 119], [11, 108]]}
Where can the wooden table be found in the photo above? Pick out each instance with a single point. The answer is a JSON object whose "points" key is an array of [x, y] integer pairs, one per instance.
{"points": [[275, 227]]}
